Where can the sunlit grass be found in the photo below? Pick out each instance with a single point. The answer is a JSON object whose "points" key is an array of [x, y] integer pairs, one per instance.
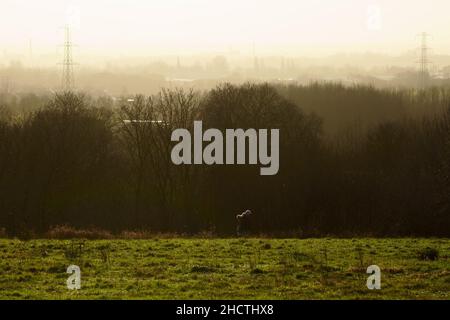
{"points": [[224, 269]]}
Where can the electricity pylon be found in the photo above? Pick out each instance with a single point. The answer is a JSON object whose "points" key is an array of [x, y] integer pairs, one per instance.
{"points": [[67, 78], [423, 60]]}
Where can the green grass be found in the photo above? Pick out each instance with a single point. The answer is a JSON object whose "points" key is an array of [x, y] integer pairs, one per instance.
{"points": [[224, 269]]}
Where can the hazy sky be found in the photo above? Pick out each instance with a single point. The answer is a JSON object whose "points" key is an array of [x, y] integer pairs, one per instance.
{"points": [[142, 27]]}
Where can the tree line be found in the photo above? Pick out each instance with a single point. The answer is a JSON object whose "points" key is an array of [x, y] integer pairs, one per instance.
{"points": [[75, 161]]}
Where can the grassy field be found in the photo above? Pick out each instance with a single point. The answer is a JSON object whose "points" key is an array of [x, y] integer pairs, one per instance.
{"points": [[224, 269]]}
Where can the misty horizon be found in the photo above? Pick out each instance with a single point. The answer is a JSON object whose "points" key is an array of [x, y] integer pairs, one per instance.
{"points": [[114, 30]]}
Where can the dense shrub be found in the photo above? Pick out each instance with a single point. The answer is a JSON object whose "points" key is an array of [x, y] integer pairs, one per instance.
{"points": [[67, 232]]}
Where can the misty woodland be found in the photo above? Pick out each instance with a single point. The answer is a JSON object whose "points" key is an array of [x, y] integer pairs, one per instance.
{"points": [[365, 162]]}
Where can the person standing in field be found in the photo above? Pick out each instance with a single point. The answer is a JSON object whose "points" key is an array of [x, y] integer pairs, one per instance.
{"points": [[243, 223]]}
